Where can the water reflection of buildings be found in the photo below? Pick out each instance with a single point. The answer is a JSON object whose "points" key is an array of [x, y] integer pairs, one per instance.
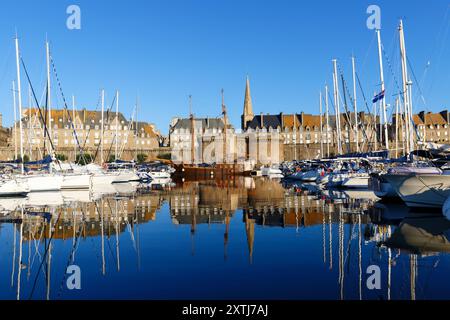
{"points": [[345, 225], [86, 219]]}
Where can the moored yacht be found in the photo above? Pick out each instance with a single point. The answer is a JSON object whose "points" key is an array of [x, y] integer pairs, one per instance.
{"points": [[13, 187], [429, 187]]}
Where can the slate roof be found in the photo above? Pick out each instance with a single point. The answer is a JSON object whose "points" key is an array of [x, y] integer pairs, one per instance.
{"points": [[207, 123], [88, 118]]}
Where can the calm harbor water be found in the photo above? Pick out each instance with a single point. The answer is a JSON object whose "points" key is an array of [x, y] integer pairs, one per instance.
{"points": [[237, 239]]}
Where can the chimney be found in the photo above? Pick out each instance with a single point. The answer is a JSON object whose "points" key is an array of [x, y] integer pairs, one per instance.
{"points": [[262, 120], [444, 114], [1, 120], [281, 120], [84, 115], [422, 116]]}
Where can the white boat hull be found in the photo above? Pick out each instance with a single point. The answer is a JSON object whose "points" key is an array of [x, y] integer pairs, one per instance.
{"points": [[424, 190], [104, 178], [43, 182], [356, 182], [13, 187], [126, 176], [159, 174], [76, 181]]}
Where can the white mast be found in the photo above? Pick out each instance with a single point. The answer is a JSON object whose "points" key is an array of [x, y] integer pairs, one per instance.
{"points": [[20, 103], [321, 129], [101, 127], [336, 105], [15, 119], [49, 105], [355, 105], [295, 136], [406, 89], [30, 150], [117, 122], [375, 125], [396, 127], [74, 131], [383, 100], [327, 121]]}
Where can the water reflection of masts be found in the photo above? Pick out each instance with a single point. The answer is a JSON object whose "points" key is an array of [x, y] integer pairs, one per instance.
{"points": [[330, 225], [117, 235], [49, 259], [14, 258], [323, 234], [389, 266], [103, 237], [19, 270], [360, 256], [341, 253], [413, 274]]}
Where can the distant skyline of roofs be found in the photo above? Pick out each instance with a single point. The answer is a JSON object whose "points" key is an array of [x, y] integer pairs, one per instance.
{"points": [[162, 52]]}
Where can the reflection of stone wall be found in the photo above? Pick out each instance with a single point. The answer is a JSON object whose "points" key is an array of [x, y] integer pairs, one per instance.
{"points": [[89, 216]]}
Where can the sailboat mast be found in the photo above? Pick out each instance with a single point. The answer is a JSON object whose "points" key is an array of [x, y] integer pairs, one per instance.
{"points": [[336, 105], [19, 95], [102, 127], [15, 119], [49, 123], [191, 115], [374, 108], [327, 121], [396, 127], [225, 124], [321, 129], [406, 88], [29, 116], [74, 131], [355, 105], [383, 100], [117, 124]]}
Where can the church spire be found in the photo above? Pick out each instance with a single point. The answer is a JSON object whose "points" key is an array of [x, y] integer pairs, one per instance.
{"points": [[248, 108]]}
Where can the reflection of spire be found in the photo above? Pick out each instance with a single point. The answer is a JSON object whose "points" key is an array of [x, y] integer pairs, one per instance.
{"points": [[250, 231], [226, 234], [193, 227]]}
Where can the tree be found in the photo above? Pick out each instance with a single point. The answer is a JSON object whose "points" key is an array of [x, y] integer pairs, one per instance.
{"points": [[26, 158], [61, 157], [85, 159], [112, 158], [141, 157], [166, 156]]}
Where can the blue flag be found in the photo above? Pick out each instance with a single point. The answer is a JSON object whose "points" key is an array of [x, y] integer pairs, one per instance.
{"points": [[378, 97]]}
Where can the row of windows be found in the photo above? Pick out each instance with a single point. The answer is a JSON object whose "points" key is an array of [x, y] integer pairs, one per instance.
{"points": [[96, 141]]}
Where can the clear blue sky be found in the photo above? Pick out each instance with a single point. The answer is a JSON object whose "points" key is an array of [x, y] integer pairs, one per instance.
{"points": [[162, 51]]}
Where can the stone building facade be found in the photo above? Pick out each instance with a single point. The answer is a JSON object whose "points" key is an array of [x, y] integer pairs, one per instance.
{"points": [[430, 127], [306, 135], [85, 133]]}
